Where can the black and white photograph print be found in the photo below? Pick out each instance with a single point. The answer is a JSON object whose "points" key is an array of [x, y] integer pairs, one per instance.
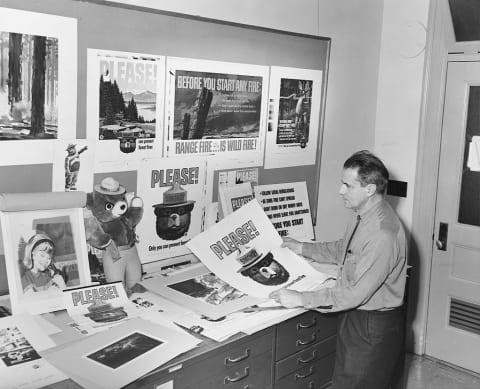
{"points": [[125, 350], [208, 288]]}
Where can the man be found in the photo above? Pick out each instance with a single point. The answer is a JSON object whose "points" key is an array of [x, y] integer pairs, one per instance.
{"points": [[370, 282]]}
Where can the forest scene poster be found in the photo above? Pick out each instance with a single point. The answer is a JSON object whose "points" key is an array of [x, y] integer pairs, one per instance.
{"points": [[28, 86], [38, 84]]}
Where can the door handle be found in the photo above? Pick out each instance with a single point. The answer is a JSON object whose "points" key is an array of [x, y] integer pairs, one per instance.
{"points": [[441, 242]]}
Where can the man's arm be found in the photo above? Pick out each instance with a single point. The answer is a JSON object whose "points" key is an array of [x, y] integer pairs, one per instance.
{"points": [[322, 252]]}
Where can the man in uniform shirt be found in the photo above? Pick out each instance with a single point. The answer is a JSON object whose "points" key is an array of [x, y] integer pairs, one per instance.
{"points": [[371, 279]]}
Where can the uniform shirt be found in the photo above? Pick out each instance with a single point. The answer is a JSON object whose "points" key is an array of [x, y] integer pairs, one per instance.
{"points": [[373, 274]]}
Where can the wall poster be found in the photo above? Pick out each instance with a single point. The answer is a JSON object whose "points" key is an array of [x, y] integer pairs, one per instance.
{"points": [[125, 99], [38, 84], [216, 108], [175, 197], [294, 117], [73, 162]]}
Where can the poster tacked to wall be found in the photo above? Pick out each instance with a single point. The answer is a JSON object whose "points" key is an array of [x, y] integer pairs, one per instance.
{"points": [[216, 108], [125, 105], [294, 117], [38, 84], [174, 195], [72, 167]]}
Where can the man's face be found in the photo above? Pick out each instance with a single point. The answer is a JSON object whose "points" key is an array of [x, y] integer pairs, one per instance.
{"points": [[354, 195]]}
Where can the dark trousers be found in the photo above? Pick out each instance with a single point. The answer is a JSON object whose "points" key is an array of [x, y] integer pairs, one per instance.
{"points": [[370, 349]]}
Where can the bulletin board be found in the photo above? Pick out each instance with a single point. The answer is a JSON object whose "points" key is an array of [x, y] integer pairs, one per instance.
{"points": [[106, 25]]}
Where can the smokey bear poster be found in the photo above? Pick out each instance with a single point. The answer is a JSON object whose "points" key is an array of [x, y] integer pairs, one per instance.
{"points": [[173, 190], [215, 108], [125, 104], [244, 250]]}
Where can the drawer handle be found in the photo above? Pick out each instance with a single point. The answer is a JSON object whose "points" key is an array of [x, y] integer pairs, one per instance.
{"points": [[238, 359], [311, 385], [302, 376], [238, 377], [308, 360], [301, 342], [301, 326]]}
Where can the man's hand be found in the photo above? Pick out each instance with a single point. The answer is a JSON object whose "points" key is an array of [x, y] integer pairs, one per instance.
{"points": [[293, 245], [287, 297]]}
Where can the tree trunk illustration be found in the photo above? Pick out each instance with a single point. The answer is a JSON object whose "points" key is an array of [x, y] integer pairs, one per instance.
{"points": [[38, 86], [200, 113], [14, 69], [186, 126]]}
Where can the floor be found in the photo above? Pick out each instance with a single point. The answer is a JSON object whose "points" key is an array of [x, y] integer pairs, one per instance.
{"points": [[426, 373]]}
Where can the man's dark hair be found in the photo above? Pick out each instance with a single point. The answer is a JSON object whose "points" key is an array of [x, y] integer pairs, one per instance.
{"points": [[371, 169]]}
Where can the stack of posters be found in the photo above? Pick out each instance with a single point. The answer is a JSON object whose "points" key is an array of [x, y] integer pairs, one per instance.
{"points": [[21, 366], [244, 250], [287, 206], [96, 308], [121, 355]]}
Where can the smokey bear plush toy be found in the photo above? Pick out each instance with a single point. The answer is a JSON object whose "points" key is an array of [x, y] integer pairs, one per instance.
{"points": [[110, 222]]}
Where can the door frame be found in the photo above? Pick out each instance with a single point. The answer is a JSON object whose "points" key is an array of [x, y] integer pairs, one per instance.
{"points": [[440, 50]]}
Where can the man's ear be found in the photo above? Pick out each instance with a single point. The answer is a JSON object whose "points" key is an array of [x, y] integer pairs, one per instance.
{"points": [[371, 189]]}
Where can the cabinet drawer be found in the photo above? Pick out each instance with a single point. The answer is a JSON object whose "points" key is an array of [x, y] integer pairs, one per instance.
{"points": [[303, 331], [313, 376], [218, 362], [305, 357], [254, 374]]}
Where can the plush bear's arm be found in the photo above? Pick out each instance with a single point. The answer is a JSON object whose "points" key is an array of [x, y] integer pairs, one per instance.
{"points": [[94, 232]]}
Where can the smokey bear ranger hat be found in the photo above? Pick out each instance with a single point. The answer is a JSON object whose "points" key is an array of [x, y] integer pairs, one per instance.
{"points": [[248, 258], [110, 186]]}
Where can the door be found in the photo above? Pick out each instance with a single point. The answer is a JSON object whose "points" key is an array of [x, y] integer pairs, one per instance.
{"points": [[453, 327]]}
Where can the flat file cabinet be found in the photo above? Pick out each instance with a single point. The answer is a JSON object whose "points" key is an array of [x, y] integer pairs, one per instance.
{"points": [[297, 353], [305, 351]]}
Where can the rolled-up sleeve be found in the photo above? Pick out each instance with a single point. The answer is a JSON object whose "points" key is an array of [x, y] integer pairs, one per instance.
{"points": [[326, 252]]}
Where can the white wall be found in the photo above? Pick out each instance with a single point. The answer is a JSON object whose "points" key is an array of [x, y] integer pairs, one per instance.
{"points": [[400, 92]]}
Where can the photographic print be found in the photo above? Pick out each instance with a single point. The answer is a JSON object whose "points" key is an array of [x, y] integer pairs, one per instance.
{"points": [[114, 358], [200, 290], [215, 108], [174, 195], [294, 117], [124, 350], [125, 104], [38, 69], [21, 365], [45, 253]]}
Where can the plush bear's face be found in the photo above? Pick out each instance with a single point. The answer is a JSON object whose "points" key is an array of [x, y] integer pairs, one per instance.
{"points": [[108, 207]]}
